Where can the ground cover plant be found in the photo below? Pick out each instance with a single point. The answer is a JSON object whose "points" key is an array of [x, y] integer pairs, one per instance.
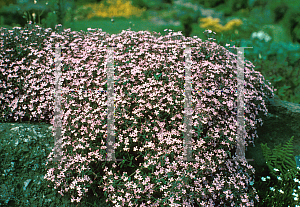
{"points": [[127, 85], [24, 150]]}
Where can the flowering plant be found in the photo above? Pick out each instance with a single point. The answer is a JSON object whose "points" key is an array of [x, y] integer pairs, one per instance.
{"points": [[281, 193], [113, 8], [149, 133], [213, 24], [279, 160], [261, 36]]}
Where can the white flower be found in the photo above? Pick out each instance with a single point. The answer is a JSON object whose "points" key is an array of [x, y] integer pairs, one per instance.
{"points": [[296, 180], [279, 178], [268, 177], [261, 35], [272, 189], [276, 169], [263, 179], [281, 191]]}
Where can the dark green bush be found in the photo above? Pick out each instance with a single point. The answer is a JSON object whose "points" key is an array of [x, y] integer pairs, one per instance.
{"points": [[186, 23], [279, 12], [50, 21], [209, 4], [13, 15], [140, 4], [233, 6], [292, 23], [83, 2], [154, 4], [6, 2]]}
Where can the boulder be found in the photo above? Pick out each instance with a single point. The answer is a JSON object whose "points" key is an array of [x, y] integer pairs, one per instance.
{"points": [[280, 124]]}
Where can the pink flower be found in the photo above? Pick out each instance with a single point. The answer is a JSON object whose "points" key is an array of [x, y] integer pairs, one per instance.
{"points": [[145, 120]]}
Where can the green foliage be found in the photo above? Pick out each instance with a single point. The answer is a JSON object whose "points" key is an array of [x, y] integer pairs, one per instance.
{"points": [[6, 2], [279, 12], [50, 21], [140, 4], [21, 13], [282, 188], [279, 63], [82, 12], [186, 23], [59, 8], [23, 153], [285, 62], [185, 9], [83, 2], [12, 15], [154, 4], [281, 158], [210, 4], [233, 6], [292, 22]]}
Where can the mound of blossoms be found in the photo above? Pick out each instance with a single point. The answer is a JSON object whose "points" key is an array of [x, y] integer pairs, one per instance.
{"points": [[149, 72]]}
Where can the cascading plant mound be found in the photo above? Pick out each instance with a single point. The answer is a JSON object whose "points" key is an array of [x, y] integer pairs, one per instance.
{"points": [[149, 78]]}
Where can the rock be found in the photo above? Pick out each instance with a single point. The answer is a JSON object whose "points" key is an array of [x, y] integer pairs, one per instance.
{"points": [[281, 123]]}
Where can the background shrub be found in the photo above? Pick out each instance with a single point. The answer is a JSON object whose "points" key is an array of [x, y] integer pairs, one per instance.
{"points": [[6, 3], [279, 63], [186, 23], [112, 8], [13, 14], [210, 4]]}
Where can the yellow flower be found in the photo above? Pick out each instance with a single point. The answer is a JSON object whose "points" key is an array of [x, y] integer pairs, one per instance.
{"points": [[213, 24], [231, 24], [116, 8]]}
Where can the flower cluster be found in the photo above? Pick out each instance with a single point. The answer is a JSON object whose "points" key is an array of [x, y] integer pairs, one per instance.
{"points": [[149, 115], [282, 193], [213, 24], [261, 36], [114, 8]]}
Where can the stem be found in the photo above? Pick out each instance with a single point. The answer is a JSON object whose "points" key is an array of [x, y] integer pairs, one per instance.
{"points": [[40, 17], [28, 14]]}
